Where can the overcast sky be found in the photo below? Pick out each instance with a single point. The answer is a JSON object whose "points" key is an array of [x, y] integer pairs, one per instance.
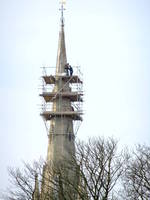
{"points": [[110, 40]]}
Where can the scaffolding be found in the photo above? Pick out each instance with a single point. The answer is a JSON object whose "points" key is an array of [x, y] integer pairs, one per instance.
{"points": [[49, 96]]}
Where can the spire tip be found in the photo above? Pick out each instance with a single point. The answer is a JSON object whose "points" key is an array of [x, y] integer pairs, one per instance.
{"points": [[62, 8]]}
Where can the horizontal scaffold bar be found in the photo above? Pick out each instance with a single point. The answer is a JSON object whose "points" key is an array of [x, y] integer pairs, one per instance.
{"points": [[74, 115], [73, 96], [52, 79]]}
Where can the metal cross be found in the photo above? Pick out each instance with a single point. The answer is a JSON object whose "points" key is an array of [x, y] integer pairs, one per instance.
{"points": [[62, 2]]}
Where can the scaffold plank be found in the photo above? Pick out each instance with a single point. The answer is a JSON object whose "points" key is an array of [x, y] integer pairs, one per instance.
{"points": [[75, 115], [52, 79], [73, 96]]}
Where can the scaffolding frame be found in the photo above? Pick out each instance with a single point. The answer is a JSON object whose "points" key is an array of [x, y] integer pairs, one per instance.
{"points": [[49, 96]]}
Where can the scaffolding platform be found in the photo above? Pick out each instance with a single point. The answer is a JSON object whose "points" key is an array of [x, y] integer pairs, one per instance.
{"points": [[52, 79], [75, 115], [72, 96]]}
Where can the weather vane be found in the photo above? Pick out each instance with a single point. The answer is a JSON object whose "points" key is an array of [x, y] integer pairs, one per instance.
{"points": [[62, 8]]}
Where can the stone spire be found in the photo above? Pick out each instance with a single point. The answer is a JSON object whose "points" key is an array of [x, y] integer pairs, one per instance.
{"points": [[61, 53], [61, 126], [62, 108]]}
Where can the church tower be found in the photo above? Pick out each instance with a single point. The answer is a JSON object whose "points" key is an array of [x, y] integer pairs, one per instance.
{"points": [[62, 95]]}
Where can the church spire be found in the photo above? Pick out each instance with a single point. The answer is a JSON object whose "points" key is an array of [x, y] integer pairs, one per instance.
{"points": [[61, 52], [62, 101]]}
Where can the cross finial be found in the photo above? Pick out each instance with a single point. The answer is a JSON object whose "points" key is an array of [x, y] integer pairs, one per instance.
{"points": [[62, 8]]}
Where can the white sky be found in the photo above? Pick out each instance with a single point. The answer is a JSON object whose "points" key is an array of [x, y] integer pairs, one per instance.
{"points": [[109, 39]]}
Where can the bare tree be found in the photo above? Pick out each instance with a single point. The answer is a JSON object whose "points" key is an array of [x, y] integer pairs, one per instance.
{"points": [[100, 167], [22, 181], [41, 181], [137, 176], [91, 175]]}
